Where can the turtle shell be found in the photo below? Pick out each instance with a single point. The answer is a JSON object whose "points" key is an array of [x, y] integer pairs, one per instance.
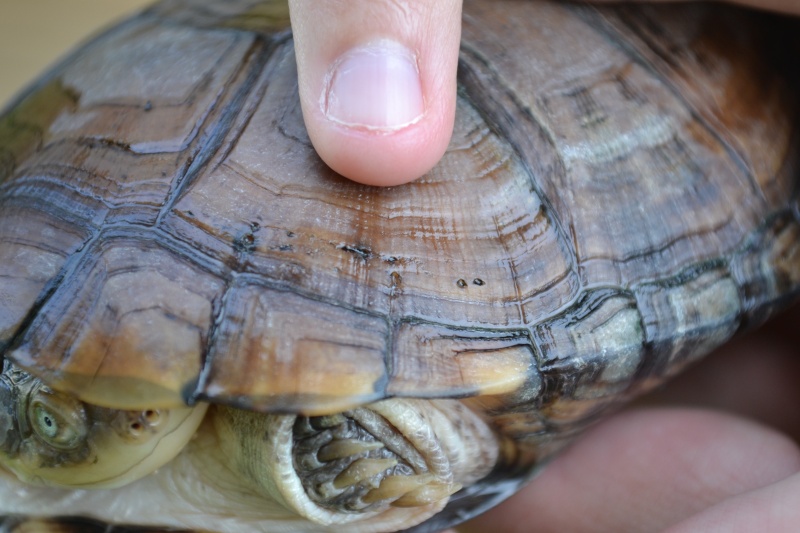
{"points": [[619, 197]]}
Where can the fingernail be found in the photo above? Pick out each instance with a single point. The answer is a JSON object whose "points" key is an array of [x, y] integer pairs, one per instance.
{"points": [[374, 86]]}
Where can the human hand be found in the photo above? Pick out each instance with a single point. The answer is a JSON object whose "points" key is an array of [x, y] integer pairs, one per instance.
{"points": [[377, 82], [682, 469]]}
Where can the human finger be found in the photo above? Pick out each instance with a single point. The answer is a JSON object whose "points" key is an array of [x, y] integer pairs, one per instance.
{"points": [[645, 470], [772, 508], [377, 81]]}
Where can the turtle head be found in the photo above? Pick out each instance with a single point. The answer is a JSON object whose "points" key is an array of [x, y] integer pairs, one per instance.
{"points": [[51, 438]]}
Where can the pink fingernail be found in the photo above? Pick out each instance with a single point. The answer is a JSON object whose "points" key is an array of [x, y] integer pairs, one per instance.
{"points": [[374, 86]]}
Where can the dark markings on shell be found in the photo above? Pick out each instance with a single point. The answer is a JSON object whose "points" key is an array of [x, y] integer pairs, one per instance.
{"points": [[362, 252]]}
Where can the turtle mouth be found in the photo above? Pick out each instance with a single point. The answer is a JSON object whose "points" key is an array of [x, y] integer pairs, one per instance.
{"points": [[358, 461]]}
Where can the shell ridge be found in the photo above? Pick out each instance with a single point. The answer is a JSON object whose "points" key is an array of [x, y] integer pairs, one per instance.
{"points": [[277, 47], [222, 125], [69, 267], [192, 392], [485, 85]]}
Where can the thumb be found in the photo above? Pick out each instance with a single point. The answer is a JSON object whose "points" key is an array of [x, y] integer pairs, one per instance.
{"points": [[377, 83]]}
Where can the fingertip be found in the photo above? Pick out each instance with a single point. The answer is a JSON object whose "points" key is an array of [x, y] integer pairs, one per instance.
{"points": [[659, 466], [378, 85], [383, 158]]}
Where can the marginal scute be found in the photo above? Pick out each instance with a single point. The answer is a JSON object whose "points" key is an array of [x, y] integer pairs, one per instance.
{"points": [[279, 350], [768, 266], [31, 255], [589, 354], [436, 361], [96, 336], [602, 326], [784, 255], [701, 306]]}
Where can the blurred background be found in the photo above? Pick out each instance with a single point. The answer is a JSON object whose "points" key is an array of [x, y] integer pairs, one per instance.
{"points": [[36, 33]]}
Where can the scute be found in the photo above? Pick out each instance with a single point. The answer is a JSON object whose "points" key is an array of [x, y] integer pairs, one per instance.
{"points": [[31, 255], [126, 329], [276, 350]]}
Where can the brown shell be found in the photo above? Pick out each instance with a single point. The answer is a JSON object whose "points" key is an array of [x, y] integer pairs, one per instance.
{"points": [[619, 197]]}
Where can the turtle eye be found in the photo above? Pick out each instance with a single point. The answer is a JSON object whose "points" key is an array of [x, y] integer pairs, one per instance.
{"points": [[58, 420]]}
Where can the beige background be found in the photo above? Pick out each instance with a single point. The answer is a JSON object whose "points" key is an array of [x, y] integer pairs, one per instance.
{"points": [[35, 33]]}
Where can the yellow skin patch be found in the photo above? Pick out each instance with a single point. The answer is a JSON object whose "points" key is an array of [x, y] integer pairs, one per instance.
{"points": [[50, 438]]}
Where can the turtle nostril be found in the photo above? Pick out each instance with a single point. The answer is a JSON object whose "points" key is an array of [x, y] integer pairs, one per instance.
{"points": [[151, 416]]}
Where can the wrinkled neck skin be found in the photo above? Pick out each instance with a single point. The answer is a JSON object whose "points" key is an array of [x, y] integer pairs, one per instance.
{"points": [[384, 467]]}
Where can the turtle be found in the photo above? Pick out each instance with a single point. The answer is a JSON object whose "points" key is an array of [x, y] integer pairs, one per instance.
{"points": [[204, 327]]}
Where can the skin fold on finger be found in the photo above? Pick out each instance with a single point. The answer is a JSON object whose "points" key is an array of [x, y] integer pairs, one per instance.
{"points": [[645, 470], [773, 508], [377, 82]]}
